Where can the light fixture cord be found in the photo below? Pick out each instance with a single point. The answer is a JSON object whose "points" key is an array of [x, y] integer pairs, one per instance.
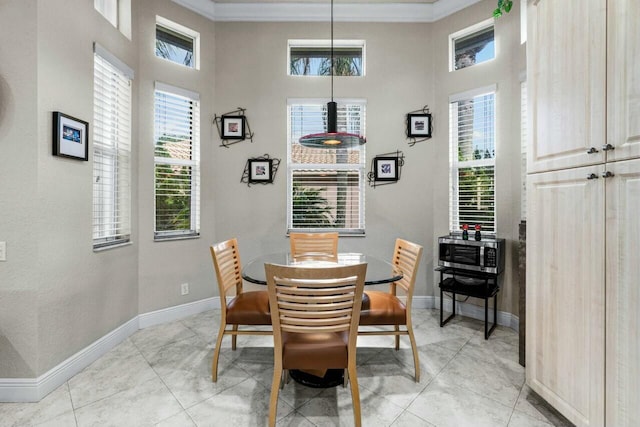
{"points": [[332, 61]]}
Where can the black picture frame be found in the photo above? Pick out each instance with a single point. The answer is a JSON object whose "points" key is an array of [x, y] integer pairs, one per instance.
{"points": [[385, 169], [233, 127], [70, 137], [419, 125], [261, 171]]}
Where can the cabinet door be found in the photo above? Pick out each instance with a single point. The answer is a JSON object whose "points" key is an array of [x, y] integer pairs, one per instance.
{"points": [[566, 66], [623, 87], [565, 292], [623, 294]]}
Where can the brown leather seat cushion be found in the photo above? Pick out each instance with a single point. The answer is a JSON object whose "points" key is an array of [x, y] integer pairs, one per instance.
{"points": [[249, 308], [314, 351], [382, 308]]}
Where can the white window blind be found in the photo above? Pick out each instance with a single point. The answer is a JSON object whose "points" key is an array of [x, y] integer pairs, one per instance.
{"points": [[177, 162], [111, 151], [325, 186], [472, 161]]}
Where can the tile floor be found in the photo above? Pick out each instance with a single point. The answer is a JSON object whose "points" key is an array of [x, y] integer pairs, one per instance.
{"points": [[160, 376]]}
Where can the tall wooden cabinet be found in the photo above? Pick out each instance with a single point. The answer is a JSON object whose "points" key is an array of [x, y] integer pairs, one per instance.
{"points": [[583, 223]]}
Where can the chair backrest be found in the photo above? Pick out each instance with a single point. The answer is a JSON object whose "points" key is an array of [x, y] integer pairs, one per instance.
{"points": [[226, 262], [315, 300], [314, 245], [406, 256]]}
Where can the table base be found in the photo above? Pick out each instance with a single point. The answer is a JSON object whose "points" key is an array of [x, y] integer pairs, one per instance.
{"points": [[332, 378]]}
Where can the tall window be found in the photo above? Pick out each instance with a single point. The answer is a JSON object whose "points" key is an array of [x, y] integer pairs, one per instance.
{"points": [[117, 12], [177, 43], [177, 162], [472, 160], [325, 185], [111, 150], [472, 45], [313, 57]]}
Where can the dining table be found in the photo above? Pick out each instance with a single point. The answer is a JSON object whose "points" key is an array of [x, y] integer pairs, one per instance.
{"points": [[379, 271]]}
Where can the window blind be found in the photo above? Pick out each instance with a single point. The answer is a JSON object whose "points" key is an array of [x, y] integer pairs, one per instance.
{"points": [[111, 153], [177, 162], [326, 186], [472, 161]]}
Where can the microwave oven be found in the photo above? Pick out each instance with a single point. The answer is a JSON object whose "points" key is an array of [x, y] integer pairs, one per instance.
{"points": [[486, 255]]}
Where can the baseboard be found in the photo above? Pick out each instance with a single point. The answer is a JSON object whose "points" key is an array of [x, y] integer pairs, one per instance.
{"points": [[469, 310], [177, 312], [34, 389]]}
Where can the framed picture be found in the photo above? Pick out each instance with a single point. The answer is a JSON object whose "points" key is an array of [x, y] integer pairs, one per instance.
{"points": [[70, 137], [260, 170], [419, 125], [233, 127], [385, 168]]}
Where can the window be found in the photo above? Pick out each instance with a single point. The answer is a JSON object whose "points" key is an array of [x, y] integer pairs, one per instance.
{"points": [[117, 12], [472, 160], [313, 57], [177, 43], [177, 162], [108, 9], [472, 46], [325, 186], [111, 150]]}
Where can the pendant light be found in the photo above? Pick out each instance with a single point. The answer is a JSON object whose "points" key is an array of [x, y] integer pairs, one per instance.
{"points": [[332, 138]]}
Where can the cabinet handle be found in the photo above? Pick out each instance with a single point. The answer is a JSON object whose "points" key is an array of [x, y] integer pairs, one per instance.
{"points": [[592, 150], [607, 174], [593, 176], [608, 147]]}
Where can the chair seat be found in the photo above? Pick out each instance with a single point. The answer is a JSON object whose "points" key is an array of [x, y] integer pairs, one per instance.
{"points": [[315, 350], [249, 308], [382, 308]]}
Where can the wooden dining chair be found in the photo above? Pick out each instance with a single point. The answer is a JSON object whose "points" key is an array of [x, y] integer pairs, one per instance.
{"points": [[315, 313], [243, 308], [381, 308], [314, 245]]}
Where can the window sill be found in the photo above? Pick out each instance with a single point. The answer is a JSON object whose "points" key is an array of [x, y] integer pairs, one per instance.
{"points": [[114, 246], [175, 237]]}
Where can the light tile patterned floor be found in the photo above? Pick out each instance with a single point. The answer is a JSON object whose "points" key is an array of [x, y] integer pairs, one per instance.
{"points": [[161, 376]]}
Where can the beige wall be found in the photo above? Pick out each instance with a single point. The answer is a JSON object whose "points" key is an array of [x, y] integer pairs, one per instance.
{"points": [[57, 296]]}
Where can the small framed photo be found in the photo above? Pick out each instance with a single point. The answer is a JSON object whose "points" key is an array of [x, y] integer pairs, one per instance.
{"points": [[233, 127], [385, 168], [419, 125], [260, 170], [70, 137]]}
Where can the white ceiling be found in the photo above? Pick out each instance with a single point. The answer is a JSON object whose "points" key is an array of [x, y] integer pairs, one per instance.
{"points": [[319, 10]]}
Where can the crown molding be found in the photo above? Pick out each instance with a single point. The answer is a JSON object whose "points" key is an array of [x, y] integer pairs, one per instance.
{"points": [[318, 12]]}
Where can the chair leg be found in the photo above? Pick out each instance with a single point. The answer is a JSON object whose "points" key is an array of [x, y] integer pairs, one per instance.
{"points": [[414, 347], [355, 396], [234, 338], [275, 388], [216, 352], [397, 329], [345, 378]]}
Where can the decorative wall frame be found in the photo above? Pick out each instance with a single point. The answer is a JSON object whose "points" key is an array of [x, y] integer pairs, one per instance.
{"points": [[385, 168], [70, 137], [233, 127], [260, 170], [419, 125]]}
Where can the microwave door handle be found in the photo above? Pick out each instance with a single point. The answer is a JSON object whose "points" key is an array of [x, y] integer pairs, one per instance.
{"points": [[481, 260]]}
